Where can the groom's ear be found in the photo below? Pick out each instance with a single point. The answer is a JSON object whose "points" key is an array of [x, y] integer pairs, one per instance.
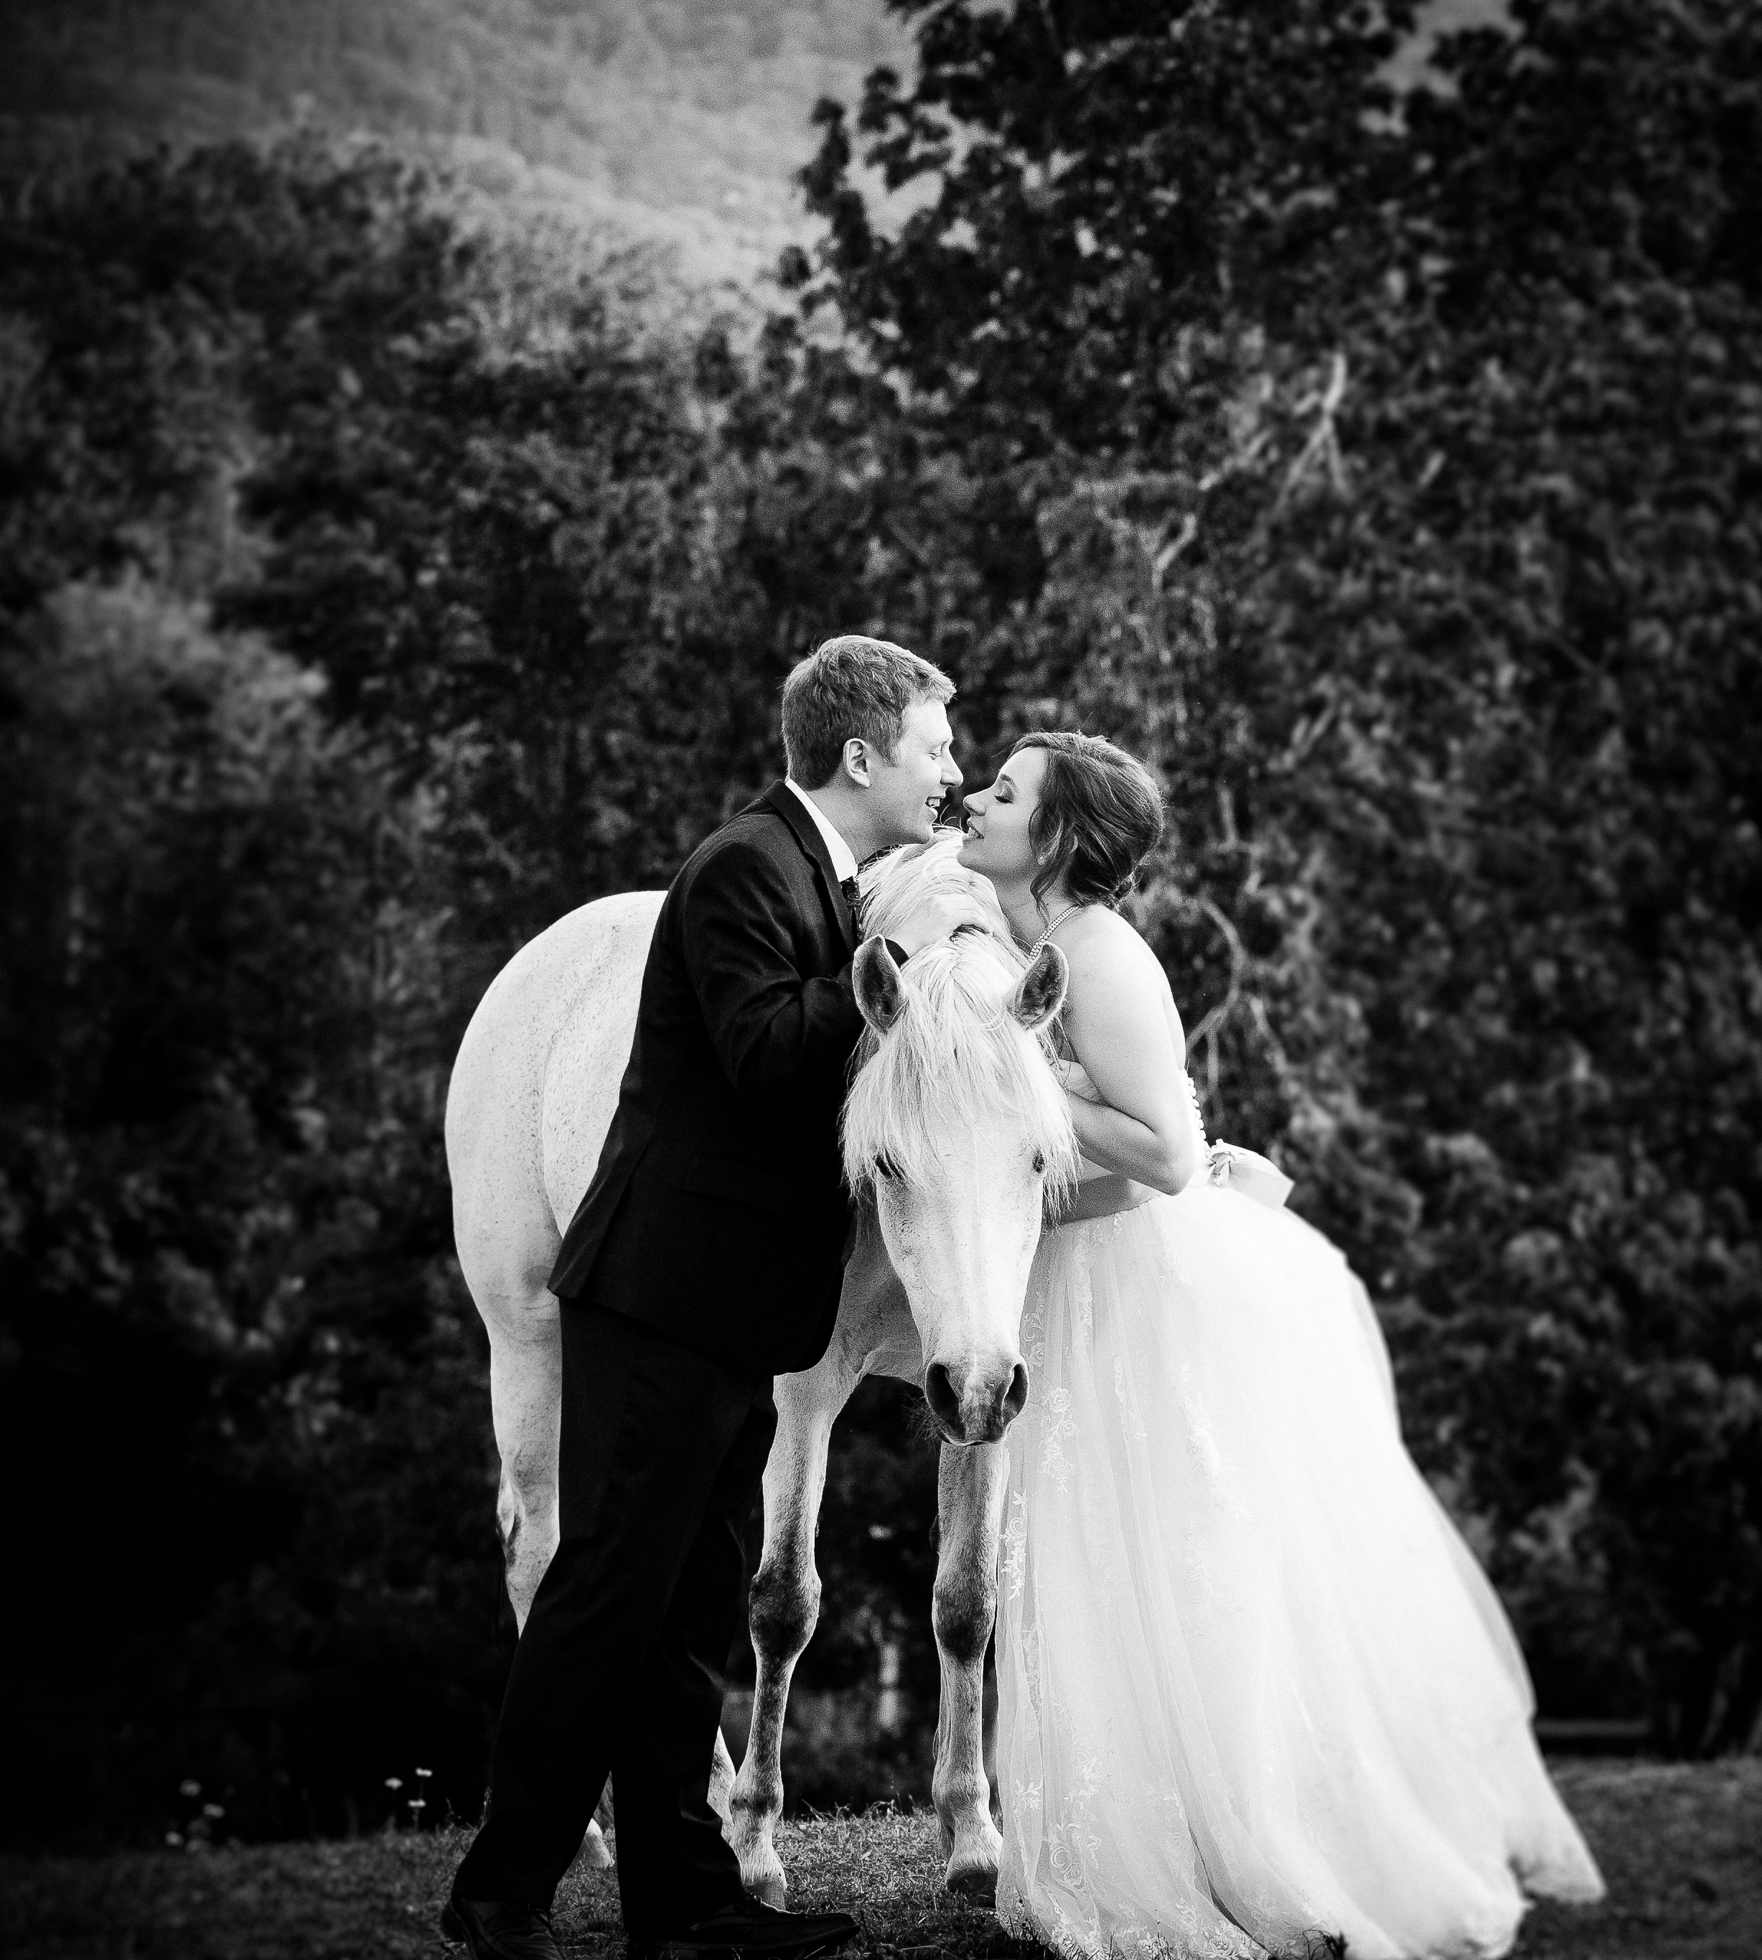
{"points": [[1041, 990], [875, 978]]}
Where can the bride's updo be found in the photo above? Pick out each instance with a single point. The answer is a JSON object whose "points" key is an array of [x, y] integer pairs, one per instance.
{"points": [[1099, 816]]}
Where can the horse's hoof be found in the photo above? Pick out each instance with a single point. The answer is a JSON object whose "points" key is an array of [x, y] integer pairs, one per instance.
{"points": [[974, 1881], [596, 1853], [768, 1885]]}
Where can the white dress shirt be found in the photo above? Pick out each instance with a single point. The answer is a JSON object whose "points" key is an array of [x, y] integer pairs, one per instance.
{"points": [[844, 859]]}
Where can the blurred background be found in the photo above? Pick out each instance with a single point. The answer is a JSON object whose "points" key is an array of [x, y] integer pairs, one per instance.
{"points": [[429, 431]]}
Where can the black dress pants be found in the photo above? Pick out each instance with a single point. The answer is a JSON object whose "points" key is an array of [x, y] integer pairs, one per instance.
{"points": [[619, 1667]]}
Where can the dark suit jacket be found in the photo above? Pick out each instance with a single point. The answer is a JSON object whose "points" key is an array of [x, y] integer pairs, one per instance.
{"points": [[717, 1215]]}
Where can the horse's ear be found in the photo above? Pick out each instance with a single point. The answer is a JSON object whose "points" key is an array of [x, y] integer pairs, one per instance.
{"points": [[1041, 992], [876, 980]]}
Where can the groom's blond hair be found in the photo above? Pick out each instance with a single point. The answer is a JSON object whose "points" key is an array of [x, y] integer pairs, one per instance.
{"points": [[852, 687]]}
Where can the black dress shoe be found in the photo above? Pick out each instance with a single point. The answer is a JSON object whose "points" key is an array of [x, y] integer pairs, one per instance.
{"points": [[749, 1932], [499, 1929]]}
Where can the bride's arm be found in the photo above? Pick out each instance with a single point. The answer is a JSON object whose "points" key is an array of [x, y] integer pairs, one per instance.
{"points": [[1117, 1019]]}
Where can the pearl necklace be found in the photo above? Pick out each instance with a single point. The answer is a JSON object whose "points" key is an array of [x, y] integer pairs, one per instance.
{"points": [[1058, 920]]}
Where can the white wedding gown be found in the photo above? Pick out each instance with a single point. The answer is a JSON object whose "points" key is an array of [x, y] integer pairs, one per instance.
{"points": [[1255, 1694]]}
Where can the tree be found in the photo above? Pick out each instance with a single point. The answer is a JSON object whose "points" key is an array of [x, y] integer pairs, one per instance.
{"points": [[222, 1216]]}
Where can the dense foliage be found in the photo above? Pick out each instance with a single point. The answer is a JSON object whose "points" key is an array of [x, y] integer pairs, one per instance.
{"points": [[1384, 468]]}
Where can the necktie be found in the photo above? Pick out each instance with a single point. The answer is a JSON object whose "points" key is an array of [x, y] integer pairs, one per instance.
{"points": [[854, 899]]}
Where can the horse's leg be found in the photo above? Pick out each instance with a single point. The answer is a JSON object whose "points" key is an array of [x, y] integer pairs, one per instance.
{"points": [[525, 1388], [526, 1385], [969, 1507], [785, 1603]]}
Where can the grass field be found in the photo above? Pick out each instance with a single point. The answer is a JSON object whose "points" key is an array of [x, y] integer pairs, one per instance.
{"points": [[1681, 1846]]}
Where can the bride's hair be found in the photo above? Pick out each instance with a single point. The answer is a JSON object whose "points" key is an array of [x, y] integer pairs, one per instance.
{"points": [[1099, 817]]}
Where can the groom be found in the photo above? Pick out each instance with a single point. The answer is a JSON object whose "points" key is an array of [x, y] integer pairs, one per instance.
{"points": [[705, 1258]]}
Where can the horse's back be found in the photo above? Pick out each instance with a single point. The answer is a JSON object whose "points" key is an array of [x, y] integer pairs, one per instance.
{"points": [[536, 1081]]}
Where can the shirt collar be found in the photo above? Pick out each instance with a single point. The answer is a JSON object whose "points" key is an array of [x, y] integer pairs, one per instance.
{"points": [[844, 860]]}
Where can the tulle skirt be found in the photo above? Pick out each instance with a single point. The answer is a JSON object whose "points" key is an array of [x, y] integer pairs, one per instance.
{"points": [[1255, 1694]]}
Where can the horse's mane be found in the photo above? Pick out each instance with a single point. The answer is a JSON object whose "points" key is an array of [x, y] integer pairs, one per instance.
{"points": [[899, 882], [956, 1048]]}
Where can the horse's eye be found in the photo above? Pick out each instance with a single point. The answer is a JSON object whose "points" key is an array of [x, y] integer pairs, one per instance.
{"points": [[1039, 1162], [886, 1167]]}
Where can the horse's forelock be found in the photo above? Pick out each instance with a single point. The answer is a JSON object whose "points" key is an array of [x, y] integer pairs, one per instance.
{"points": [[956, 1049], [897, 886]]}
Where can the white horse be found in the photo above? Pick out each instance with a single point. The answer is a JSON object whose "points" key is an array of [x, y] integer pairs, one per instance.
{"points": [[955, 1137]]}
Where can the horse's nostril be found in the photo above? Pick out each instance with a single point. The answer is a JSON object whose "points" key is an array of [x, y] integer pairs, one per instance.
{"points": [[1015, 1397], [945, 1405]]}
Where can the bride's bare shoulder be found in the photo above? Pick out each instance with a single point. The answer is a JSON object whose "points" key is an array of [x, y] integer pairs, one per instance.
{"points": [[1110, 958], [1119, 996], [1107, 954], [1097, 935]]}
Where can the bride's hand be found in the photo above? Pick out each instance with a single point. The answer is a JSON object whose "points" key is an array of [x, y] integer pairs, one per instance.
{"points": [[1076, 1081]]}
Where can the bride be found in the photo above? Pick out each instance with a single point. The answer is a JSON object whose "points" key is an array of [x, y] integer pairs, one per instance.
{"points": [[1255, 1695]]}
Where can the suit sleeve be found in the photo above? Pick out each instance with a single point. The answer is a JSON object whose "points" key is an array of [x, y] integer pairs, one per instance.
{"points": [[775, 1030]]}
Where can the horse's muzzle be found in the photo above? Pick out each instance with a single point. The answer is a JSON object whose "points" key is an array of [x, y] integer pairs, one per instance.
{"points": [[974, 1411]]}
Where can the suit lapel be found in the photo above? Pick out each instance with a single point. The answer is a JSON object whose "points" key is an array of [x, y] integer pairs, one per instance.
{"points": [[782, 801]]}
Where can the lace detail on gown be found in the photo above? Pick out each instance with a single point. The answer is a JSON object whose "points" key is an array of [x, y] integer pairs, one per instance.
{"points": [[1254, 1693]]}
